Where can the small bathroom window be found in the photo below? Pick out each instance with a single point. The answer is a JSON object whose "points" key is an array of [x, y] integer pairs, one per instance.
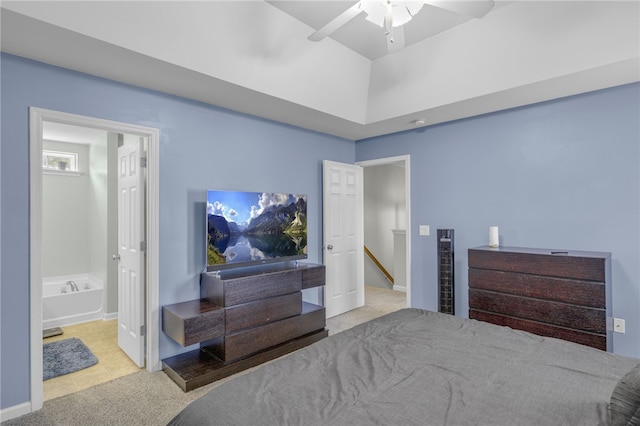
{"points": [[59, 161]]}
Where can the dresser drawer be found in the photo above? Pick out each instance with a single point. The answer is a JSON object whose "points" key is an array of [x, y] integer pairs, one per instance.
{"points": [[313, 276], [598, 341], [567, 264], [246, 342], [583, 293], [192, 322], [233, 290], [559, 314], [262, 311]]}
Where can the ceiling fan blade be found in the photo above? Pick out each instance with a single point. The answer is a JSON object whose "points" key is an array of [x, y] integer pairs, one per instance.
{"points": [[395, 39], [337, 22], [472, 8], [388, 19]]}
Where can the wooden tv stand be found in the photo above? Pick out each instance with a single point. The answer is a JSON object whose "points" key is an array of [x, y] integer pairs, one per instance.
{"points": [[244, 317]]}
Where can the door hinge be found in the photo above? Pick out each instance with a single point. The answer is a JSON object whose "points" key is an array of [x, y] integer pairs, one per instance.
{"points": [[143, 330], [143, 162], [143, 246]]}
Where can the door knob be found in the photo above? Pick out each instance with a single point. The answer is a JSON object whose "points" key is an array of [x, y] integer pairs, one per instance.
{"points": [[329, 247], [116, 257]]}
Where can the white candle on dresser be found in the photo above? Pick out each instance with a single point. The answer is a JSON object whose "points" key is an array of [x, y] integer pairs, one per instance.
{"points": [[493, 236]]}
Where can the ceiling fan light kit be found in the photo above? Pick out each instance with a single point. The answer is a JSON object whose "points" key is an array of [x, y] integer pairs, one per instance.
{"points": [[395, 13], [400, 12]]}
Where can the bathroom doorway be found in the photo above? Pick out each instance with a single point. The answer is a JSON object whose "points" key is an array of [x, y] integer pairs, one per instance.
{"points": [[47, 134]]}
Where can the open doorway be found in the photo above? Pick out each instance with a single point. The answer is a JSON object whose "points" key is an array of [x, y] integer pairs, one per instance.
{"points": [[344, 233], [386, 231], [107, 135]]}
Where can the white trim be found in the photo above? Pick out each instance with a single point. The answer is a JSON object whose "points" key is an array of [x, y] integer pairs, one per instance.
{"points": [[110, 317], [35, 254], [36, 118], [14, 412], [61, 172], [407, 186], [153, 251]]}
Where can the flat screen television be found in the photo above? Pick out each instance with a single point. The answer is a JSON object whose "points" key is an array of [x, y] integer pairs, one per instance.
{"points": [[252, 228]]}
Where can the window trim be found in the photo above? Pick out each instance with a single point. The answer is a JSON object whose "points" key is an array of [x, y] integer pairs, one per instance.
{"points": [[73, 168]]}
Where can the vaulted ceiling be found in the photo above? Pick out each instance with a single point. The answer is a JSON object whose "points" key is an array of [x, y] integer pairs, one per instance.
{"points": [[254, 56]]}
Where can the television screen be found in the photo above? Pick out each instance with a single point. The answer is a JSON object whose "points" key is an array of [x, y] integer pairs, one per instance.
{"points": [[245, 228]]}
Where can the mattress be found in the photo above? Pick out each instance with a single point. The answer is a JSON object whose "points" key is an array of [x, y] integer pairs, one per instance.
{"points": [[416, 367]]}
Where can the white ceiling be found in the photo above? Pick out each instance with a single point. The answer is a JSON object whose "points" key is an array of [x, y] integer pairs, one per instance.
{"points": [[60, 132], [364, 37], [254, 56]]}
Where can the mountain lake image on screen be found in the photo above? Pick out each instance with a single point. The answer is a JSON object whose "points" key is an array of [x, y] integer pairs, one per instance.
{"points": [[250, 228]]}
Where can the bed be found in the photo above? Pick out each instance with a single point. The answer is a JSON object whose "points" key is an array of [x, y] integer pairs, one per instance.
{"points": [[416, 367]]}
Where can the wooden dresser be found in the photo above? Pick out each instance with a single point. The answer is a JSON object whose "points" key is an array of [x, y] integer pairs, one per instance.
{"points": [[243, 318], [557, 293]]}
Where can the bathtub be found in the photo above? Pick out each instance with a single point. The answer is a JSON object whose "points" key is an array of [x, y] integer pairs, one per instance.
{"points": [[61, 306]]}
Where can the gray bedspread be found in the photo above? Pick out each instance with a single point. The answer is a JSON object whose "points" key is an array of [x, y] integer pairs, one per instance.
{"points": [[415, 367]]}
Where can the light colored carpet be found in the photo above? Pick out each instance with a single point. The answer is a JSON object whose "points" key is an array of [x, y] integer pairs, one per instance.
{"points": [[378, 302], [148, 399]]}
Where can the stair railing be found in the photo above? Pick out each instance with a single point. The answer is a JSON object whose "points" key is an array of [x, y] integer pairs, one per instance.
{"points": [[378, 264]]}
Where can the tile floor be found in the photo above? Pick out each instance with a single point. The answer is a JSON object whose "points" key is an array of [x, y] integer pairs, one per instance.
{"points": [[102, 338]]}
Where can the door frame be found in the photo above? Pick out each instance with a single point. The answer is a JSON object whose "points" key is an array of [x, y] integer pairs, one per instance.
{"points": [[407, 187], [37, 116]]}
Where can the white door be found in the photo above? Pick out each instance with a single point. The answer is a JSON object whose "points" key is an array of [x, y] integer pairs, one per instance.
{"points": [[131, 280], [343, 230]]}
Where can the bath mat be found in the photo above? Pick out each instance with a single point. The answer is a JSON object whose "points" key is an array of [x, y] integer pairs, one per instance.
{"points": [[65, 356], [50, 332]]}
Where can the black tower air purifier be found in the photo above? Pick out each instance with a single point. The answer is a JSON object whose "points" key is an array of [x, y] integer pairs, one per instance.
{"points": [[446, 293]]}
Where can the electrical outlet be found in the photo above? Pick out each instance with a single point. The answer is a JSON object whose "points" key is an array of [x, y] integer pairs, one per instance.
{"points": [[424, 230], [618, 325]]}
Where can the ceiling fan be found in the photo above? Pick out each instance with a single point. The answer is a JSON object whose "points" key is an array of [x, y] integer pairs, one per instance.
{"points": [[393, 14]]}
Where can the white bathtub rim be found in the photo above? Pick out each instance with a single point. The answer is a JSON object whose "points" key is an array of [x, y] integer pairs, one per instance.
{"points": [[75, 277], [97, 285]]}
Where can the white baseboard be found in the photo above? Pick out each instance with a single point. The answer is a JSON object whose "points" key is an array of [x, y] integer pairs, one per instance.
{"points": [[400, 288], [15, 411], [111, 316]]}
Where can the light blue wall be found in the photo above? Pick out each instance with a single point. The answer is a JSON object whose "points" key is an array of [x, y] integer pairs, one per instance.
{"points": [[200, 147], [563, 174]]}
